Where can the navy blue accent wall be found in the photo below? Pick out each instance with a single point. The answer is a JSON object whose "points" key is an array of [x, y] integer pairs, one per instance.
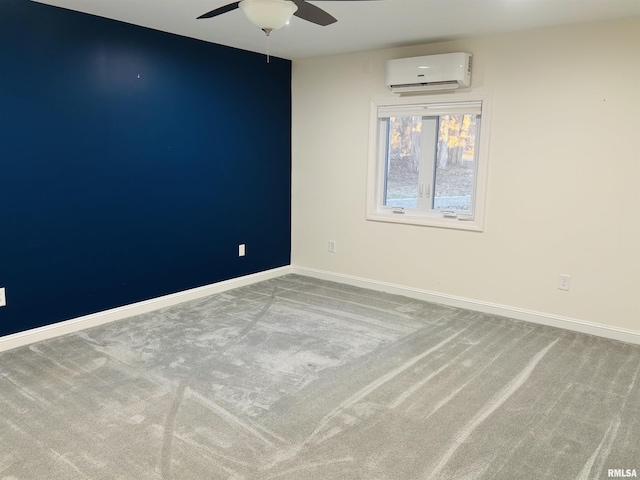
{"points": [[132, 163]]}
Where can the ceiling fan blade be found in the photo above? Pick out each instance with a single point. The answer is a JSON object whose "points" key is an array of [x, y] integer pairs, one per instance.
{"points": [[313, 14], [220, 11]]}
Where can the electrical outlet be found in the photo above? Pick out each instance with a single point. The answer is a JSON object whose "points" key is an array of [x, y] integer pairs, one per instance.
{"points": [[332, 246], [241, 250], [564, 283], [3, 297]]}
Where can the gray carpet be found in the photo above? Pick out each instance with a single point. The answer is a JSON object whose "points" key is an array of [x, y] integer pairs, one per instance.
{"points": [[296, 378]]}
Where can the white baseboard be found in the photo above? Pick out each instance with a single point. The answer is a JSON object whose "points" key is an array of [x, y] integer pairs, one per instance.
{"points": [[80, 323], [606, 331], [76, 324]]}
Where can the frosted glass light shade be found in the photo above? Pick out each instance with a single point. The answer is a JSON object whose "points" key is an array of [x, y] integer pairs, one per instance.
{"points": [[268, 14]]}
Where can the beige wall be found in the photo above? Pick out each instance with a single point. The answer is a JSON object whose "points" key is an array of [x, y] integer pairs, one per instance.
{"points": [[563, 185]]}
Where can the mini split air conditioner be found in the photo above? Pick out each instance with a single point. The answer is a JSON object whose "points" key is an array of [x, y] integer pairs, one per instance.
{"points": [[433, 72]]}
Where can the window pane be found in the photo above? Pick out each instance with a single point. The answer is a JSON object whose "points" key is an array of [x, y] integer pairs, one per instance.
{"points": [[403, 157], [456, 162]]}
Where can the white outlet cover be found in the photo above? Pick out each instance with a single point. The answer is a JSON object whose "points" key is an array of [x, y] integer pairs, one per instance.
{"points": [[3, 297], [564, 282]]}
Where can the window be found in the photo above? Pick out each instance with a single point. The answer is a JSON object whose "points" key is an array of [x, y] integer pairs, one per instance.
{"points": [[428, 160]]}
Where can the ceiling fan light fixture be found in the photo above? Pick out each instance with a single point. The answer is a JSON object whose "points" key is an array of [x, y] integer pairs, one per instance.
{"points": [[268, 14]]}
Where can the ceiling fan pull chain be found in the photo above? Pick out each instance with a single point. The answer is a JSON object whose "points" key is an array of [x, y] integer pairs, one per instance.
{"points": [[267, 32]]}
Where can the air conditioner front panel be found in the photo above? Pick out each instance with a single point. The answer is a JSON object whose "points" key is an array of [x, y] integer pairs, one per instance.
{"points": [[444, 69]]}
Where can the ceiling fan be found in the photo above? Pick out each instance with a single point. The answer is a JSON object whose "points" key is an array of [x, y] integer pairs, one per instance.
{"points": [[270, 15]]}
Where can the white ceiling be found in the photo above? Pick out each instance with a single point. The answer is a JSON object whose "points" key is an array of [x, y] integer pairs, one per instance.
{"points": [[362, 25]]}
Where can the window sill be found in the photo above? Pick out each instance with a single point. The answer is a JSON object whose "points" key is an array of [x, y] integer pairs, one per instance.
{"points": [[426, 221]]}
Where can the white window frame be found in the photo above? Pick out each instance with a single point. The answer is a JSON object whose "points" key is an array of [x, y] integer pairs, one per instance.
{"points": [[377, 211]]}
